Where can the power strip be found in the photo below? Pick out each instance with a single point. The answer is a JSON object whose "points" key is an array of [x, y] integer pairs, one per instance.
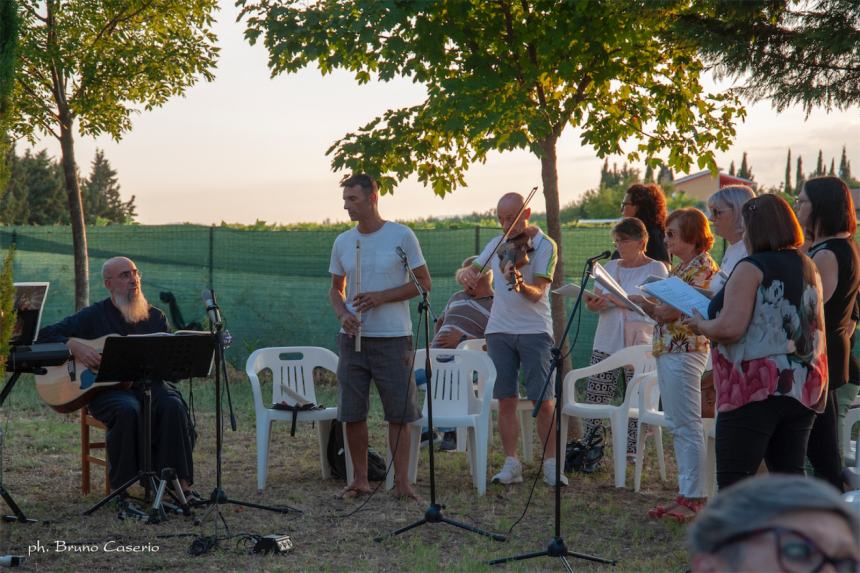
{"points": [[274, 544]]}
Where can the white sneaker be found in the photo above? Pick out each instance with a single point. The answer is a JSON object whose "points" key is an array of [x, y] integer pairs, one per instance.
{"points": [[549, 473], [512, 472]]}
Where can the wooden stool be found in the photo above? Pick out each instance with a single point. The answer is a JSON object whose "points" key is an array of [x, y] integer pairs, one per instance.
{"points": [[87, 446]]}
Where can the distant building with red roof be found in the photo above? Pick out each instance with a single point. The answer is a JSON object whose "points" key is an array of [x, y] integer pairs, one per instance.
{"points": [[703, 184]]}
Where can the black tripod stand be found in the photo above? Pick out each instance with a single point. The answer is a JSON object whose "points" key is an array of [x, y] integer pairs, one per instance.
{"points": [[433, 514], [557, 547], [147, 359], [218, 495], [19, 515]]}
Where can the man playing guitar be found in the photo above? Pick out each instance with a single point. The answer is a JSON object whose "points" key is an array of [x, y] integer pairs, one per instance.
{"points": [[126, 312]]}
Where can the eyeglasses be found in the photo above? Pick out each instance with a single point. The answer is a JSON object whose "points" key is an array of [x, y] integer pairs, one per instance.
{"points": [[619, 242], [797, 553], [125, 275]]}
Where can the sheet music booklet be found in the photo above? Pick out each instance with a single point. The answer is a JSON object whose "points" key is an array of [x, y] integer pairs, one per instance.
{"points": [[678, 294], [605, 281]]}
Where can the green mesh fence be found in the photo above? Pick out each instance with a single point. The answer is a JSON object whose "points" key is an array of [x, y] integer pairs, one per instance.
{"points": [[272, 286]]}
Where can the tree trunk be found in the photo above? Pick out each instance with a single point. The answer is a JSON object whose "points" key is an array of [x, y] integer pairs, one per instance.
{"points": [[549, 177], [76, 210]]}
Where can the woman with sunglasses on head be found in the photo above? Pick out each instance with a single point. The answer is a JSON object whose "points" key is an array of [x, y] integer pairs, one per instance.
{"points": [[618, 327], [726, 221], [646, 202], [681, 357], [826, 212], [770, 363]]}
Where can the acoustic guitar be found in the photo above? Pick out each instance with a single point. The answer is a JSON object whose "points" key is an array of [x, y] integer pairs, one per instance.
{"points": [[72, 385]]}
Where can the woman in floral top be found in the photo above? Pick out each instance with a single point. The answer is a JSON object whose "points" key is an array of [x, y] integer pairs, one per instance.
{"points": [[770, 361], [681, 357]]}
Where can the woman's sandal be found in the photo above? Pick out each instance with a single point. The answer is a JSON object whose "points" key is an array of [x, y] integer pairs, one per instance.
{"points": [[660, 510], [693, 505]]}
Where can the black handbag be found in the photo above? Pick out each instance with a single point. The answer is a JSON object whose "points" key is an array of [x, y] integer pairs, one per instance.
{"points": [[584, 455]]}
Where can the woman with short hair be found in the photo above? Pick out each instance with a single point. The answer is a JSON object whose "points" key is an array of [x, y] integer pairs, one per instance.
{"points": [[770, 362], [825, 209], [681, 357], [726, 221], [617, 326], [646, 202]]}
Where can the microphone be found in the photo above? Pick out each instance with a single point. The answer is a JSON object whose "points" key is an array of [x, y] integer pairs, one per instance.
{"points": [[402, 254], [603, 255], [212, 307]]}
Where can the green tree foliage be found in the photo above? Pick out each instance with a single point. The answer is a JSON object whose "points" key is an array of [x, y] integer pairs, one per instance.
{"points": [[799, 177], [845, 166], [649, 174], [505, 75], [605, 201], [732, 171], [8, 58], [35, 194], [102, 201], [787, 189], [745, 172], [88, 65], [819, 165], [792, 52]]}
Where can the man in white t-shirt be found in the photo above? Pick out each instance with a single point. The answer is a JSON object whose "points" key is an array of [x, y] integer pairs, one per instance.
{"points": [[519, 334], [384, 326]]}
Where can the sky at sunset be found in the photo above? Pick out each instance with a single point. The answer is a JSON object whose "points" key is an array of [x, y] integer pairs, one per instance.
{"points": [[248, 147]]}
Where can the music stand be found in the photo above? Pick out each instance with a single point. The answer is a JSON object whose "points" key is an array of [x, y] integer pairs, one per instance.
{"points": [[144, 360]]}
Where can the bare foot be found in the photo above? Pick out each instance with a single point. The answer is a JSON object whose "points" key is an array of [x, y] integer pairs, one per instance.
{"points": [[406, 492], [353, 490]]}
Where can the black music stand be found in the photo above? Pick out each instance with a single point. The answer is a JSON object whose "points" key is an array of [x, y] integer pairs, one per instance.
{"points": [[144, 360]]}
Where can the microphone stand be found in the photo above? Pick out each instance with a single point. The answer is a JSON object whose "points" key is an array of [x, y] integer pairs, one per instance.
{"points": [[433, 514], [218, 496], [557, 547]]}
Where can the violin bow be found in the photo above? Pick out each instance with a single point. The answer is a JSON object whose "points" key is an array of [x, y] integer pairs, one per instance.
{"points": [[512, 225]]}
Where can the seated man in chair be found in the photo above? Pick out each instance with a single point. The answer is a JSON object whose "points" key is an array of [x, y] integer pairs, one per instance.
{"points": [[126, 312]]}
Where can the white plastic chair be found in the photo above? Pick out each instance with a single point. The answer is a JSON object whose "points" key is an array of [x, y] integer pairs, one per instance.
{"points": [[642, 361], [292, 368], [457, 402], [849, 446], [650, 414], [524, 406]]}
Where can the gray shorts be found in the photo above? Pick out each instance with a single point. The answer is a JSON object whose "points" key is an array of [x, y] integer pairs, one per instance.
{"points": [[386, 361], [531, 351]]}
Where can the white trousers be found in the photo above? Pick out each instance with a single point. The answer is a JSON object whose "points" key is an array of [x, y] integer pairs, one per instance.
{"points": [[680, 380]]}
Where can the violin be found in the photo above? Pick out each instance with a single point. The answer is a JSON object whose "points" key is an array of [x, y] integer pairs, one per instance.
{"points": [[516, 251]]}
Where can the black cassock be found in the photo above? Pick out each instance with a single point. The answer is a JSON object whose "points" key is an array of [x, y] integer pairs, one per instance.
{"points": [[173, 435]]}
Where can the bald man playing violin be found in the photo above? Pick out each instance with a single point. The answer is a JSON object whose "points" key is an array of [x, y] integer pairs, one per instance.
{"points": [[519, 331]]}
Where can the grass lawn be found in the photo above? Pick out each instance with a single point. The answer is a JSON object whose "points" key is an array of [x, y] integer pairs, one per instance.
{"points": [[42, 471]]}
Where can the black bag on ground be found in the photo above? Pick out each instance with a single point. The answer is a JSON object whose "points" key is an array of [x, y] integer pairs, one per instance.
{"points": [[337, 456], [585, 455]]}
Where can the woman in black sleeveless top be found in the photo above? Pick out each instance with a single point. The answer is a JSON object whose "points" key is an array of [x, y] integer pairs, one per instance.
{"points": [[826, 210]]}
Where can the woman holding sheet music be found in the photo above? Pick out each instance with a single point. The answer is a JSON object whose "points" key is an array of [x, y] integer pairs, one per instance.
{"points": [[619, 327], [770, 363], [681, 357]]}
